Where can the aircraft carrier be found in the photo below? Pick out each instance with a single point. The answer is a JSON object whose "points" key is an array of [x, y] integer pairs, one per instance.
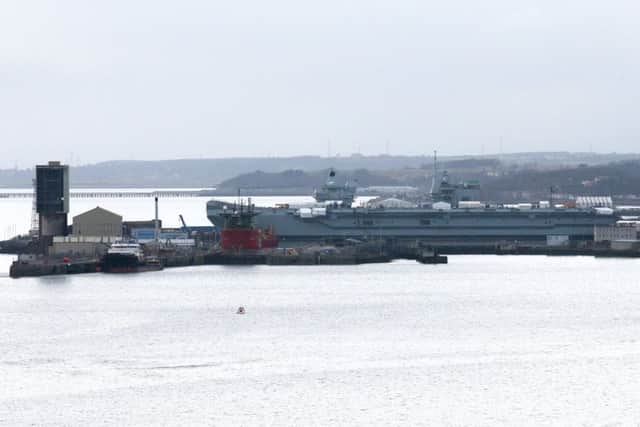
{"points": [[445, 221]]}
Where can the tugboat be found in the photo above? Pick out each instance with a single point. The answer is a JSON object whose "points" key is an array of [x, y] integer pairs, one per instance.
{"points": [[128, 257], [239, 232]]}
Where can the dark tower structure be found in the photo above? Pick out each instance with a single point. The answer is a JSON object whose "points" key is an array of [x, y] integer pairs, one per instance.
{"points": [[52, 199]]}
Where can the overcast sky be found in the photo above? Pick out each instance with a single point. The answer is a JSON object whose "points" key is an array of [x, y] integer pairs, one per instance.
{"points": [[85, 81]]}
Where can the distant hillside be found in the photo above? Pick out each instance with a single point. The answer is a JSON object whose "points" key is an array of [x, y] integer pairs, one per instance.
{"points": [[14, 178], [498, 183], [203, 172], [210, 172], [615, 179], [303, 180]]}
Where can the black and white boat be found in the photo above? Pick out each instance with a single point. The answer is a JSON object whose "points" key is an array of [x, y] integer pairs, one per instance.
{"points": [[128, 257]]}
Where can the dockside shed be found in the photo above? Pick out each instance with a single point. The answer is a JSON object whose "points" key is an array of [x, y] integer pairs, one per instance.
{"points": [[97, 222]]}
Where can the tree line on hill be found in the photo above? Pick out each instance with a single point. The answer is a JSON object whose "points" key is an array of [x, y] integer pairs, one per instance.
{"points": [[497, 182], [574, 173]]}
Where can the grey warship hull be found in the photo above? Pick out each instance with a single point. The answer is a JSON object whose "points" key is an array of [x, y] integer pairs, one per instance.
{"points": [[460, 227]]}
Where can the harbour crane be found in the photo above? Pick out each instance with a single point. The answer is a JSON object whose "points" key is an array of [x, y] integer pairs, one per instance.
{"points": [[184, 225]]}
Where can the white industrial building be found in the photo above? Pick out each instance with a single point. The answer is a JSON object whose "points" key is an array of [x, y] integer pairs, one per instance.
{"points": [[612, 233], [585, 202]]}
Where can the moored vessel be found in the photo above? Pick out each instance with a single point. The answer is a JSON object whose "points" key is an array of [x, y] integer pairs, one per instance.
{"points": [[239, 232], [129, 257], [444, 222]]}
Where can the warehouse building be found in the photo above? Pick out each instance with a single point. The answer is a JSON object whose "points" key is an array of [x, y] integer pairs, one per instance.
{"points": [[97, 222], [92, 234]]}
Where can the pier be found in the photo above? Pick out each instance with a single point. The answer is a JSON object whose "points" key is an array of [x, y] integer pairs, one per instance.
{"points": [[40, 265]]}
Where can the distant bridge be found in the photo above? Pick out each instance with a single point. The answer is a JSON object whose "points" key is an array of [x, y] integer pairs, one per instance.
{"points": [[113, 194]]}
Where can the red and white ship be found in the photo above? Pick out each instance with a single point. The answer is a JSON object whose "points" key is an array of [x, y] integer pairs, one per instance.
{"points": [[239, 232]]}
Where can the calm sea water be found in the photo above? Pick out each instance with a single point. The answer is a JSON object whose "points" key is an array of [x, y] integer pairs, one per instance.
{"points": [[484, 340]]}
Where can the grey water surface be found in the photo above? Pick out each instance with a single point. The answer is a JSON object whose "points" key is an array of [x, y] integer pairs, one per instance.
{"points": [[485, 340]]}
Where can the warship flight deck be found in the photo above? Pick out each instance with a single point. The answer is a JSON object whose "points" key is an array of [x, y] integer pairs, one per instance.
{"points": [[445, 221]]}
